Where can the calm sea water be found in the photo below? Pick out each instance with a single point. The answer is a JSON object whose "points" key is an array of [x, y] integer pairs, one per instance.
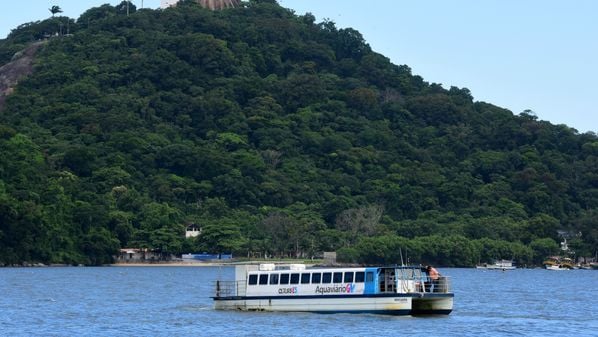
{"points": [[174, 301]]}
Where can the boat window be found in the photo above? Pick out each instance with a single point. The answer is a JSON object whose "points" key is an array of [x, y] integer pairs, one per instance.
{"points": [[305, 278], [284, 278], [326, 277], [349, 277], [337, 278], [264, 279], [252, 279], [369, 277], [273, 278], [359, 277], [316, 278], [295, 278]]}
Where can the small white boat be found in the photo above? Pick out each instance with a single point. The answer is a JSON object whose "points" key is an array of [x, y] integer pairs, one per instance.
{"points": [[557, 267], [382, 290], [498, 265]]}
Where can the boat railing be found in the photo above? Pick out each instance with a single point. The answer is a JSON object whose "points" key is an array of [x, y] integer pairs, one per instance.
{"points": [[415, 280], [443, 285], [229, 288], [417, 285]]}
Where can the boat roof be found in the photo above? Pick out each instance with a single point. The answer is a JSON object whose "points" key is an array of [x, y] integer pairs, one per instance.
{"points": [[299, 267]]}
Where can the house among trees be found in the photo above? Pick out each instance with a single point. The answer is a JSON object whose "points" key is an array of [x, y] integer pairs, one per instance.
{"points": [[137, 255], [192, 231]]}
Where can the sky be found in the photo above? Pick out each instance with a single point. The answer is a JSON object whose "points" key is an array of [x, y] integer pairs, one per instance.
{"points": [[540, 55]]}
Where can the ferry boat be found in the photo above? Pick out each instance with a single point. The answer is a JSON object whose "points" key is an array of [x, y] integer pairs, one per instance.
{"points": [[396, 290]]}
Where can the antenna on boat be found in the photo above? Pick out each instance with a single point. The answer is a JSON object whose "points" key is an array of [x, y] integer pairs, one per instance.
{"points": [[401, 253]]}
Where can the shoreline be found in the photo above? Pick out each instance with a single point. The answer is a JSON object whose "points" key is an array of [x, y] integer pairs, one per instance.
{"points": [[211, 263], [171, 264], [196, 263]]}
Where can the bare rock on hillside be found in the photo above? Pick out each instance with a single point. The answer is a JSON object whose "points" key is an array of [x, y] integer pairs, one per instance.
{"points": [[19, 67]]}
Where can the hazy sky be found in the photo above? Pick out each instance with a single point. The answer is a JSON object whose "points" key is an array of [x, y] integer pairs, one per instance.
{"points": [[534, 54]]}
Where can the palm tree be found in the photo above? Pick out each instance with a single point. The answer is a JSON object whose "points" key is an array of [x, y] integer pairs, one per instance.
{"points": [[55, 9]]}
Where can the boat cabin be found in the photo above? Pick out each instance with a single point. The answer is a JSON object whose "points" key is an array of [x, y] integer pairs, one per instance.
{"points": [[391, 290], [271, 280]]}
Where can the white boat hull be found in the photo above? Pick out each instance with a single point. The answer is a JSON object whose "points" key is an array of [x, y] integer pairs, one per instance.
{"points": [[432, 304], [501, 268], [397, 305]]}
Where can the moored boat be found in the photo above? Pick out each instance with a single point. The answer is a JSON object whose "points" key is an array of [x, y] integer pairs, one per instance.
{"points": [[498, 265], [559, 263], [557, 267], [385, 290]]}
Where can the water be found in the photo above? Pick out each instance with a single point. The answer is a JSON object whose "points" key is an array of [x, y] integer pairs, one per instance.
{"points": [[174, 301]]}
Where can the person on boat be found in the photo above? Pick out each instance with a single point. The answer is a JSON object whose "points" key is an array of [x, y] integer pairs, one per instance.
{"points": [[433, 277]]}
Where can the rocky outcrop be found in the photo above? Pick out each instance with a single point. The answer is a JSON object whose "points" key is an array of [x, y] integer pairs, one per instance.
{"points": [[18, 68], [211, 4], [219, 4]]}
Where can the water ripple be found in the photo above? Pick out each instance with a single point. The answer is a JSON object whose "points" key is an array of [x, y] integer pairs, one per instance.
{"points": [[175, 302]]}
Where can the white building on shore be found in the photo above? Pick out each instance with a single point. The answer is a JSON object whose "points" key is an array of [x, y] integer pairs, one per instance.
{"points": [[167, 3]]}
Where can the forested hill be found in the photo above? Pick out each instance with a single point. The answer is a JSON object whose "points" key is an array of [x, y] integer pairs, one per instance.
{"points": [[278, 136]]}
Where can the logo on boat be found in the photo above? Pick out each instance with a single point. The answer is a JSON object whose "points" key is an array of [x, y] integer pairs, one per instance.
{"points": [[348, 288], [291, 290]]}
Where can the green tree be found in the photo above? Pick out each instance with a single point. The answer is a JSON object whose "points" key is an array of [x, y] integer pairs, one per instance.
{"points": [[224, 237], [168, 240], [100, 246], [543, 248]]}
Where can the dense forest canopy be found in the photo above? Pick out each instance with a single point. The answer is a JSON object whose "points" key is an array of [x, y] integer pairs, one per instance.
{"points": [[278, 136]]}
